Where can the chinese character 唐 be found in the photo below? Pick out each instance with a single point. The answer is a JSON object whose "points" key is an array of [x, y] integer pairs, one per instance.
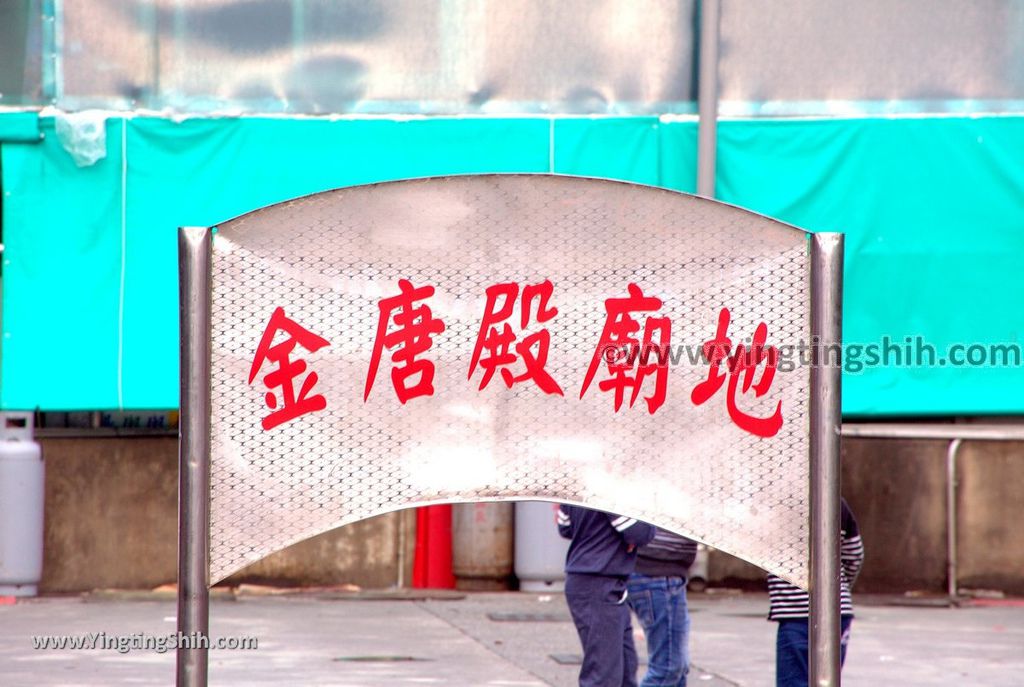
{"points": [[411, 337]]}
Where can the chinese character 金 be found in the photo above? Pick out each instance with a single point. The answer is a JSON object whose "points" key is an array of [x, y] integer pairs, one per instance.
{"points": [[627, 358], [743, 363], [492, 344], [283, 377], [409, 338]]}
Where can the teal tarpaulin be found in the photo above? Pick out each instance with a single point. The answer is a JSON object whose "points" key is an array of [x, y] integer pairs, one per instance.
{"points": [[932, 209]]}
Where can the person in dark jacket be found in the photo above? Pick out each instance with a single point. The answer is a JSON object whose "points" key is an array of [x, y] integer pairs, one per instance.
{"points": [[602, 555], [657, 594]]}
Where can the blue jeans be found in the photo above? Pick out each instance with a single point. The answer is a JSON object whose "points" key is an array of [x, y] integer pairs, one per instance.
{"points": [[660, 605], [791, 650]]}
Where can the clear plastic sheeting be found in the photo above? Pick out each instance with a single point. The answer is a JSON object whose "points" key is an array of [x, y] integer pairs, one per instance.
{"points": [[808, 57], [329, 259], [790, 57], [409, 56]]}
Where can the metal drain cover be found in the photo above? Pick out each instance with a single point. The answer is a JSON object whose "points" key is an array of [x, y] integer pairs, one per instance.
{"points": [[503, 617], [567, 659], [379, 659]]}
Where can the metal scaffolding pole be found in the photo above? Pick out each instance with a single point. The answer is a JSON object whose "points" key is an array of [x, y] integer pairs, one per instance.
{"points": [[707, 98]]}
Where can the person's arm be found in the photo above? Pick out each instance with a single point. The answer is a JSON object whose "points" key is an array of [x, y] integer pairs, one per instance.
{"points": [[634, 532], [564, 522], [851, 553]]}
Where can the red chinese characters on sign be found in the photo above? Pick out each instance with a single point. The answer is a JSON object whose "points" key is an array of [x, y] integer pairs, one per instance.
{"points": [[628, 358], [410, 337], [284, 376], [493, 344], [742, 365], [634, 348]]}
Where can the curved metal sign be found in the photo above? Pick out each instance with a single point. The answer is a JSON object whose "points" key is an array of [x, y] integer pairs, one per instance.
{"points": [[497, 337]]}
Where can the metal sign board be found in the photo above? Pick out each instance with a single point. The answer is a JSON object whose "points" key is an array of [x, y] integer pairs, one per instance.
{"points": [[629, 348]]}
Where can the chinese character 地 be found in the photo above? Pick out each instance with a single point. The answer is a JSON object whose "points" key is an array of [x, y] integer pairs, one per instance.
{"points": [[284, 376], [742, 364]]}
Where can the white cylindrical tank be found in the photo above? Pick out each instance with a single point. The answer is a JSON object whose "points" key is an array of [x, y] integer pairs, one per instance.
{"points": [[21, 506], [698, 579], [540, 551]]}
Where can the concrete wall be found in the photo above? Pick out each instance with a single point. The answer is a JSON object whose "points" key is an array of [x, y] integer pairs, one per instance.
{"points": [[111, 521], [897, 490], [111, 513], [990, 540], [366, 554]]}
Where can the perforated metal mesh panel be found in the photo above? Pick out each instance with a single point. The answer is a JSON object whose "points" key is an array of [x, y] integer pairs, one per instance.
{"points": [[328, 259]]}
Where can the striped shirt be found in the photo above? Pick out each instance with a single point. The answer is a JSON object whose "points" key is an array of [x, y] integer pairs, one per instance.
{"points": [[788, 602]]}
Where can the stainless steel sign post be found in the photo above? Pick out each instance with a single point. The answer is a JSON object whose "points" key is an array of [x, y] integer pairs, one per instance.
{"points": [[826, 423], [194, 253]]}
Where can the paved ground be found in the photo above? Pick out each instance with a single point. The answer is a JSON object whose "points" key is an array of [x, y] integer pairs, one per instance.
{"points": [[501, 639]]}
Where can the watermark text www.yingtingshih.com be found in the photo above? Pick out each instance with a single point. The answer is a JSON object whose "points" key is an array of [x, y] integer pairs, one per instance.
{"points": [[140, 641], [852, 357]]}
